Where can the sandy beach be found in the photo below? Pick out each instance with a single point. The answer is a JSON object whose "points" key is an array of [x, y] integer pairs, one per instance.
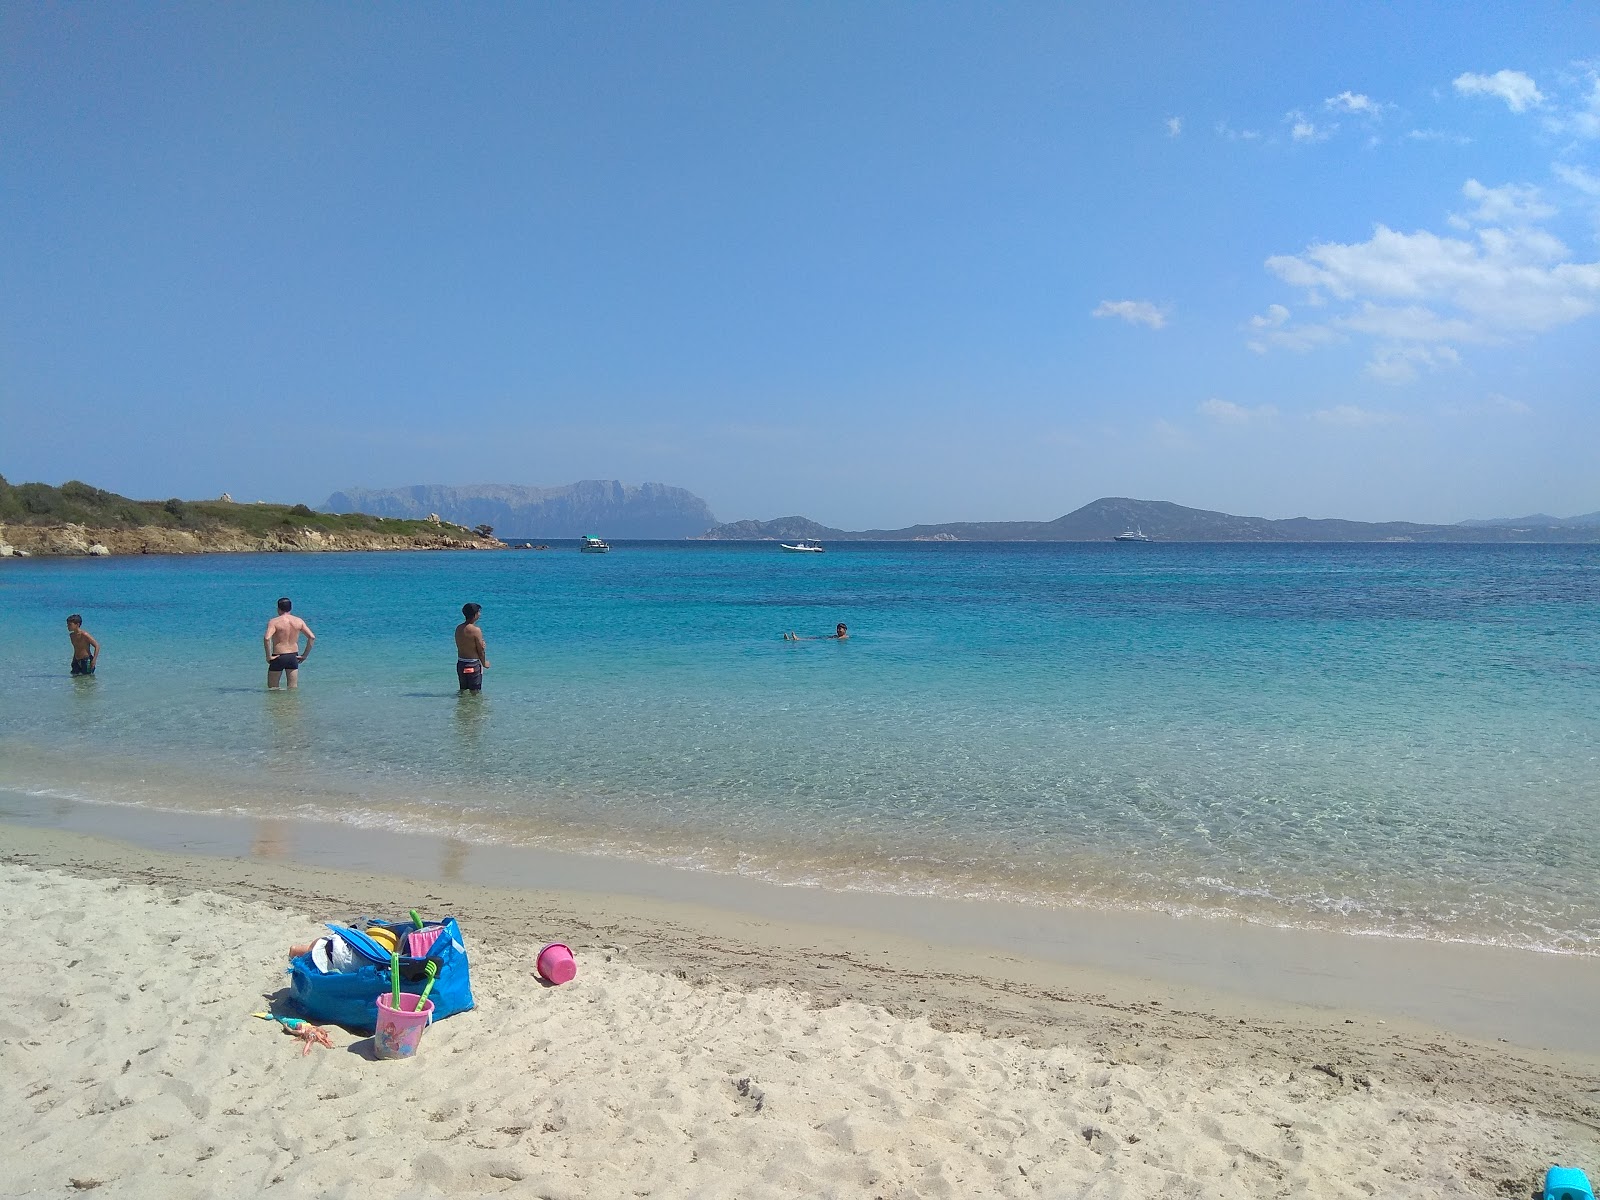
{"points": [[704, 1053]]}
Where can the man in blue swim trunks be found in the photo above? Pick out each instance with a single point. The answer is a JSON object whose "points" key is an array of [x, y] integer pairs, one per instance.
{"points": [[472, 655], [282, 644]]}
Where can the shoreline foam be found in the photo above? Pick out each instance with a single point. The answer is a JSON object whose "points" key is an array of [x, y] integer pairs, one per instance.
{"points": [[421, 817]]}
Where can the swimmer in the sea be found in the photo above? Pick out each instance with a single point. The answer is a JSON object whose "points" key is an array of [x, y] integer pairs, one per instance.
{"points": [[840, 632], [472, 654], [85, 650], [282, 644]]}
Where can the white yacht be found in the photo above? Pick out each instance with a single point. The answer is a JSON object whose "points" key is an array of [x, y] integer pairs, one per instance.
{"points": [[1133, 535]]}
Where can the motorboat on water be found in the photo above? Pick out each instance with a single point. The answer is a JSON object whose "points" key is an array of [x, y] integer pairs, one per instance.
{"points": [[592, 545], [1133, 535], [804, 546]]}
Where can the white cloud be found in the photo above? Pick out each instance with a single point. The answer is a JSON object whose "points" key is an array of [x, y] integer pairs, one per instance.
{"points": [[1517, 203], [1400, 364], [1492, 405], [1224, 130], [1135, 312], [1352, 417], [1516, 89], [1419, 296], [1225, 412], [1509, 281], [1577, 177], [1583, 119], [1174, 126], [1355, 103], [1301, 129], [1439, 135]]}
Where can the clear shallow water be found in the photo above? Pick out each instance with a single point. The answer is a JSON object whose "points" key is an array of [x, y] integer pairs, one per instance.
{"points": [[1391, 739]]}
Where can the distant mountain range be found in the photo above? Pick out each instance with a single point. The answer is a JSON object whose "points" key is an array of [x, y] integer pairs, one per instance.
{"points": [[603, 507], [611, 509], [1162, 521]]}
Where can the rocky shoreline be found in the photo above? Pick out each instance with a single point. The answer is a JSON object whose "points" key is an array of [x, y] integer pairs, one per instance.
{"points": [[69, 540]]}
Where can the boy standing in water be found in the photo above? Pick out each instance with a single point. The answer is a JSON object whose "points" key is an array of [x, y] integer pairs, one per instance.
{"points": [[472, 655], [282, 644], [85, 650]]}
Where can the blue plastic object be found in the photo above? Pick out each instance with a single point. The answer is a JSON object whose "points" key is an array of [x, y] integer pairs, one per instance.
{"points": [[1567, 1183]]}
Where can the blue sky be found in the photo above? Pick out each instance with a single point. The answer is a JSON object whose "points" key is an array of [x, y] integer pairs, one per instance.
{"points": [[872, 263]]}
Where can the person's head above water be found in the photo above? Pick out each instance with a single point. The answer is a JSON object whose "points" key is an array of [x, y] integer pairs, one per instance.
{"points": [[470, 611], [284, 604], [840, 629], [75, 620]]}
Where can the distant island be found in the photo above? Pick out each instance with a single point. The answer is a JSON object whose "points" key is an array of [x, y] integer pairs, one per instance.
{"points": [[1162, 521], [76, 518], [605, 507]]}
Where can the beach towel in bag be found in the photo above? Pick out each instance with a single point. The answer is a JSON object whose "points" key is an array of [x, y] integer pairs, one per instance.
{"points": [[350, 998]]}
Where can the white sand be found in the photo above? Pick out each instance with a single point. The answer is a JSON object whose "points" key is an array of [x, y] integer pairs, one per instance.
{"points": [[131, 1066]]}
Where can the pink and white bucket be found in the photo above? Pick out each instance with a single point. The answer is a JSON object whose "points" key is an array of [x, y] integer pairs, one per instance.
{"points": [[400, 1029]]}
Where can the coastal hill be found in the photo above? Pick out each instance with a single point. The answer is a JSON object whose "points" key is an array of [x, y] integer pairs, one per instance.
{"points": [[75, 518], [1163, 521], [604, 507]]}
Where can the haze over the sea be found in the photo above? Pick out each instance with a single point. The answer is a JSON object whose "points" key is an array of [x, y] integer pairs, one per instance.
{"points": [[877, 265]]}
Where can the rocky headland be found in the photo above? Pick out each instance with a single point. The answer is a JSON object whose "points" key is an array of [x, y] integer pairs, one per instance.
{"points": [[75, 518]]}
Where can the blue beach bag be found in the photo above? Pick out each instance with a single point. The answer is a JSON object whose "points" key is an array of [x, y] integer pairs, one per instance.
{"points": [[350, 998]]}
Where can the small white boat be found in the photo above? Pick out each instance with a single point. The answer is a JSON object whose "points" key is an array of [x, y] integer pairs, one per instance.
{"points": [[592, 545], [804, 546], [1133, 535]]}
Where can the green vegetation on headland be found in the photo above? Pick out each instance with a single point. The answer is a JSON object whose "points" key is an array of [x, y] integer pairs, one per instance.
{"points": [[30, 513]]}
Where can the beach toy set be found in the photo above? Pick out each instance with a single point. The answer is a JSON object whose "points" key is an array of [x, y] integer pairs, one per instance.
{"points": [[399, 976]]}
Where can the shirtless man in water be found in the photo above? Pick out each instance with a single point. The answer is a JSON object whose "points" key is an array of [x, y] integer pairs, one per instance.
{"points": [[85, 650], [472, 655], [282, 644]]}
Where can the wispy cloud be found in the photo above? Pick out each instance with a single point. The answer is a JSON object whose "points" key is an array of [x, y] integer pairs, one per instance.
{"points": [[1135, 312], [1224, 130], [1351, 416], [1302, 129], [1275, 316], [1582, 120], [1174, 126], [1401, 364], [1493, 405], [1518, 90], [1577, 177], [1354, 103], [1225, 412], [1514, 203], [1438, 135]]}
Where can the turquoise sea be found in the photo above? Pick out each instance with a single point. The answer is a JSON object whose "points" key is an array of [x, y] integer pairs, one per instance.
{"points": [[1389, 739]]}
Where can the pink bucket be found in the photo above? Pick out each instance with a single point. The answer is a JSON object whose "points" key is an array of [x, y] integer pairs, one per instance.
{"points": [[555, 963], [400, 1029]]}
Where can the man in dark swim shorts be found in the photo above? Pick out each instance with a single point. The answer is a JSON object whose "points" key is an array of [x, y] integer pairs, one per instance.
{"points": [[85, 650], [282, 645], [472, 655]]}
